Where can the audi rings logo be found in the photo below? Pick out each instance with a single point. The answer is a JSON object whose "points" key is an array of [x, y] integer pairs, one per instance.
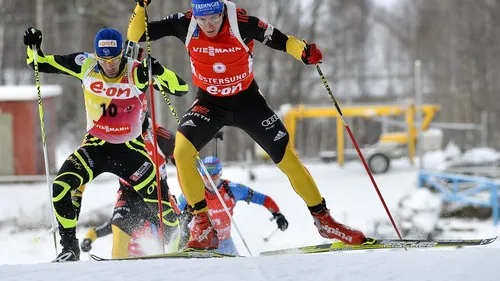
{"points": [[219, 67], [270, 121]]}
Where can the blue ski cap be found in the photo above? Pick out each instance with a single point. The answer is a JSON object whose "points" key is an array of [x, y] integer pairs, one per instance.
{"points": [[206, 7], [108, 42], [212, 164]]}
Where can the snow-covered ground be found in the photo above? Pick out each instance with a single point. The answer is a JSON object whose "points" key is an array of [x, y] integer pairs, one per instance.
{"points": [[349, 194], [456, 265]]}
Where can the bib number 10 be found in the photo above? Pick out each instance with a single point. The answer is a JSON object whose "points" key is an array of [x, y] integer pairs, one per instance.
{"points": [[214, 90], [111, 110]]}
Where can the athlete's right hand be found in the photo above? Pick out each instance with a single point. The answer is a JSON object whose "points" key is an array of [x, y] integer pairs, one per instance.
{"points": [[86, 245], [311, 54], [280, 220], [141, 2], [33, 36]]}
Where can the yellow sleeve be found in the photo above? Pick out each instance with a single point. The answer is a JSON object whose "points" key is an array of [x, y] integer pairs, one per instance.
{"points": [[136, 26], [295, 47], [91, 234], [168, 79], [175, 84]]}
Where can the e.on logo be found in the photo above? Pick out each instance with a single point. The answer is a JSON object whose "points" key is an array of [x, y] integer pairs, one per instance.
{"points": [[97, 87]]}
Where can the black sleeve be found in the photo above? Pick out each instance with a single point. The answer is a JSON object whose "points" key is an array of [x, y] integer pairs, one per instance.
{"points": [[59, 64], [169, 80], [253, 28], [104, 229], [166, 142], [174, 25]]}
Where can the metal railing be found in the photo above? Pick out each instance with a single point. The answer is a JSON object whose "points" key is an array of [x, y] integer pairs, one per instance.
{"points": [[467, 190]]}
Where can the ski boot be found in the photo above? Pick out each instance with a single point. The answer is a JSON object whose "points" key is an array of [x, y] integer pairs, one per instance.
{"points": [[203, 233], [329, 228], [71, 249]]}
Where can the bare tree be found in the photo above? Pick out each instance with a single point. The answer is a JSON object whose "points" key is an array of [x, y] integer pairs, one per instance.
{"points": [[367, 51]]}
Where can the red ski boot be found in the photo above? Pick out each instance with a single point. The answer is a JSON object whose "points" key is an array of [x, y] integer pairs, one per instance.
{"points": [[203, 234], [329, 228]]}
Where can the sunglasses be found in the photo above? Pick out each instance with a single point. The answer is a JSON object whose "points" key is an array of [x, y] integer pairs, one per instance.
{"points": [[213, 19], [112, 60]]}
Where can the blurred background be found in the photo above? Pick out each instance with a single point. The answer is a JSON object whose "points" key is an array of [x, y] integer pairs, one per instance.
{"points": [[417, 81], [369, 46]]}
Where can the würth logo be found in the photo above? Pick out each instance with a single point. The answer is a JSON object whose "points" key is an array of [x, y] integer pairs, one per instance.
{"points": [[200, 109]]}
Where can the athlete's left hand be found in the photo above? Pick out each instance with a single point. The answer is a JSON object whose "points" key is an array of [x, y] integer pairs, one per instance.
{"points": [[156, 67], [86, 245], [280, 220], [311, 54], [141, 2]]}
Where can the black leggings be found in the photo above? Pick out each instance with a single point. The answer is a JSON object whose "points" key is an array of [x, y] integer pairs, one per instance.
{"points": [[131, 211], [129, 161], [247, 110]]}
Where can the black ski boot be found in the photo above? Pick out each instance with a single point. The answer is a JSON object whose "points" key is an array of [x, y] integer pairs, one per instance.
{"points": [[71, 248]]}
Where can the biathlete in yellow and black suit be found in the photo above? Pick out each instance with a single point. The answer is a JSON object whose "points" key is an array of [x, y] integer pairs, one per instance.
{"points": [[115, 100], [131, 215]]}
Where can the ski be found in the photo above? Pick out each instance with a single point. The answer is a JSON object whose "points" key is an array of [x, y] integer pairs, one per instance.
{"points": [[184, 254], [374, 244]]}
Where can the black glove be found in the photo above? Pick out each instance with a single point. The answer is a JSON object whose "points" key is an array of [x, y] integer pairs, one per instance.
{"points": [[33, 36], [156, 67], [140, 54], [141, 2], [86, 245], [280, 220]]}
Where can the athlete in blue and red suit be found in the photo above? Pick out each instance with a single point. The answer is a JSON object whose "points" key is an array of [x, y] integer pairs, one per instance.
{"points": [[219, 39], [231, 192]]}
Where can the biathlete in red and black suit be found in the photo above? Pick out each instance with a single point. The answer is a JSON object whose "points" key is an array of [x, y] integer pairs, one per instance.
{"points": [[219, 38]]}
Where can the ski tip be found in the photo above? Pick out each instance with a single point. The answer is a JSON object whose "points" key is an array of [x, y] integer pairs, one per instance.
{"points": [[488, 240], [192, 250], [369, 241], [97, 258]]}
